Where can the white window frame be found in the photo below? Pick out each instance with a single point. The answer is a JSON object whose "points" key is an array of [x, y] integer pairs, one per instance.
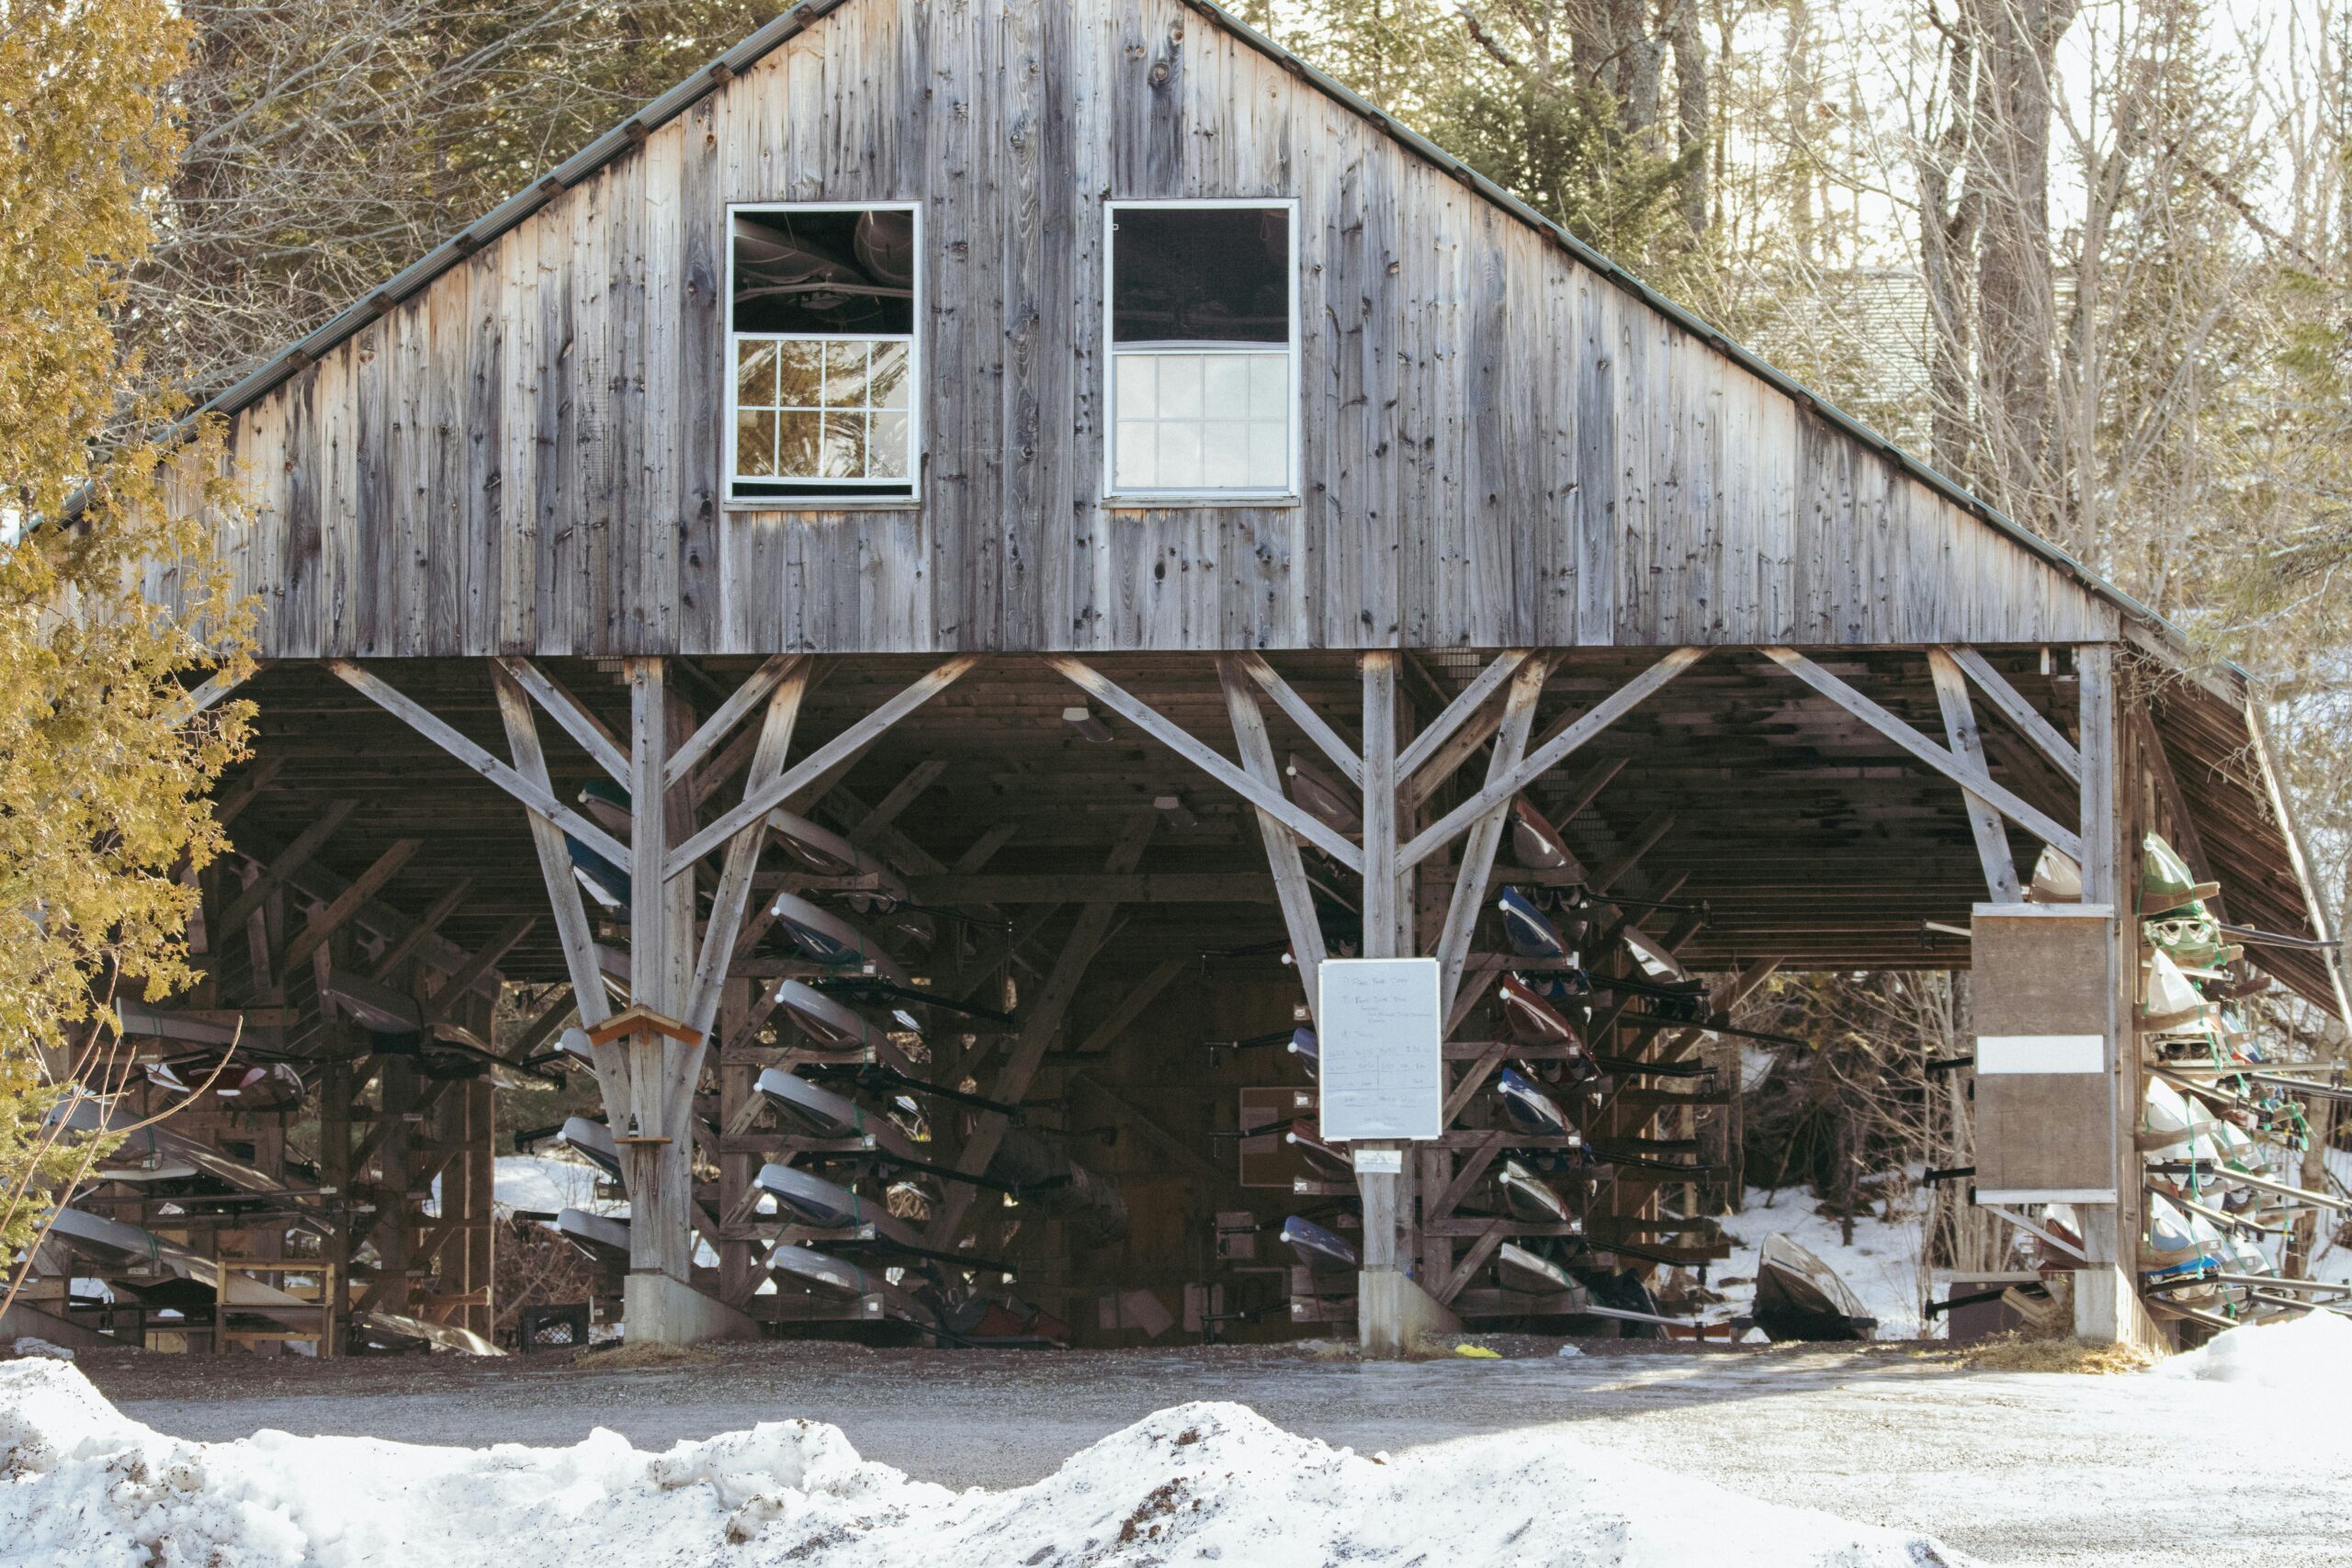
{"points": [[1286, 492], [858, 492]]}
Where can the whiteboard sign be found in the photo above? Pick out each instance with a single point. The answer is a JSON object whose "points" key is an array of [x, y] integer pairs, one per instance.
{"points": [[1381, 1071]]}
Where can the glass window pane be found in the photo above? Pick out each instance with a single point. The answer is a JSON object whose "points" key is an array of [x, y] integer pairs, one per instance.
{"points": [[1201, 274], [796, 442], [891, 362], [755, 443], [799, 374], [755, 374], [845, 375], [1136, 466], [1269, 454], [886, 457], [1225, 385], [1270, 386], [845, 453], [1180, 386], [1180, 454], [1225, 455], [1138, 386]]}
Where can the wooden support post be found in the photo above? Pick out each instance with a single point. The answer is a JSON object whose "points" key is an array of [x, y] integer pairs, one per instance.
{"points": [[1282, 859], [2107, 1304], [1379, 1328], [659, 1175]]}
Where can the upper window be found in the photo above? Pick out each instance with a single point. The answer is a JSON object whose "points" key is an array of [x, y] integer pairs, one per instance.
{"points": [[1202, 318], [822, 303]]}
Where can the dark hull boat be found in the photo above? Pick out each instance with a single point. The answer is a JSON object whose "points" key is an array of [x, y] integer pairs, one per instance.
{"points": [[1516, 1269], [1535, 841], [821, 1272], [1316, 1248], [1529, 931], [1800, 1297], [826, 938], [1530, 1020], [593, 1140], [1307, 1049], [602, 1240], [812, 1201], [1529, 1109], [833, 1026], [1527, 1198], [1302, 1136]]}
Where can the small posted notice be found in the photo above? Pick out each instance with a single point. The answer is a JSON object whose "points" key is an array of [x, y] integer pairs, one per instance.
{"points": [[1382, 1074]]}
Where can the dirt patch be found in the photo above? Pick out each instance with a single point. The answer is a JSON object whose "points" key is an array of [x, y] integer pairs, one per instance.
{"points": [[628, 1358]]}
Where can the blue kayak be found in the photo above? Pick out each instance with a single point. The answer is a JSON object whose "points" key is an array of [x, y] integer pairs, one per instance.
{"points": [[1525, 927], [1531, 1110], [1316, 1248]]}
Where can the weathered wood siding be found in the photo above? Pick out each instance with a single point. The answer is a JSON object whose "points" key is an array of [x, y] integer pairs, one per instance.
{"points": [[1501, 447]]}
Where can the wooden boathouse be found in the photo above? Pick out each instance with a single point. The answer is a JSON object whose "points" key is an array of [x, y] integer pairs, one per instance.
{"points": [[960, 554]]}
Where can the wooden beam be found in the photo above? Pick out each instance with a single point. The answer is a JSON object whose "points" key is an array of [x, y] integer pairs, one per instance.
{"points": [[774, 791], [247, 788], [1311, 724], [285, 863], [784, 699], [1486, 834], [1174, 1147], [1960, 732], [1271, 800], [483, 961], [1282, 862], [1645, 839], [1554, 749], [578, 942], [1075, 886], [573, 717], [894, 803], [732, 711], [1469, 700], [1131, 1007], [540, 798], [2052, 832], [213, 688], [346, 903], [398, 950], [2011, 704]]}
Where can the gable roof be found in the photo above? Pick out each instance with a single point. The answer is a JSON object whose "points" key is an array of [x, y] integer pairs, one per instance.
{"points": [[624, 139]]}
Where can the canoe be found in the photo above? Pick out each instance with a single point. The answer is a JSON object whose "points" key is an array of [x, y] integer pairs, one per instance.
{"points": [[1315, 1247], [1529, 1018], [1304, 1137], [1516, 1269], [604, 882], [1330, 801], [811, 1199], [827, 938], [1535, 842], [834, 1026], [1529, 1199], [594, 1142], [810, 1109], [1529, 1109], [272, 1087], [1800, 1297], [600, 1239], [1307, 1049], [821, 1272], [1529, 934]]}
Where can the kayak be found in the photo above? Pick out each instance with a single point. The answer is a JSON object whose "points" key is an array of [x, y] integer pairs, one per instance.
{"points": [[1800, 1297], [809, 1108], [1528, 1199], [1537, 842], [1529, 1018], [1529, 934], [826, 938], [1531, 1110], [1519, 1269], [834, 1026], [600, 1239], [1316, 1248], [1307, 1049], [1320, 1155], [594, 1142], [811, 1199], [821, 1272]]}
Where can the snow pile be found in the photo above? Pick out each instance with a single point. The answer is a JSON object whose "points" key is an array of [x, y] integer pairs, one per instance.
{"points": [[544, 1185], [81, 1484], [2308, 1357], [1881, 1267]]}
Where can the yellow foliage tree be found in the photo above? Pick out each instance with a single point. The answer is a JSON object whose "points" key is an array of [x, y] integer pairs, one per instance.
{"points": [[105, 765]]}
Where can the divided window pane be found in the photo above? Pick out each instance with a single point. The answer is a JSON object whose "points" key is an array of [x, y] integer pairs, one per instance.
{"points": [[1202, 307], [822, 317]]}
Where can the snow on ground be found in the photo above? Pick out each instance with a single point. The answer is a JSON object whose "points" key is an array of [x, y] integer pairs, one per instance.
{"points": [[83, 1486], [1881, 1267], [543, 1184], [2308, 1358]]}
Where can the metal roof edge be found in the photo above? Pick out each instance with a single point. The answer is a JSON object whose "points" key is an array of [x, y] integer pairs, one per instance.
{"points": [[630, 132]]}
